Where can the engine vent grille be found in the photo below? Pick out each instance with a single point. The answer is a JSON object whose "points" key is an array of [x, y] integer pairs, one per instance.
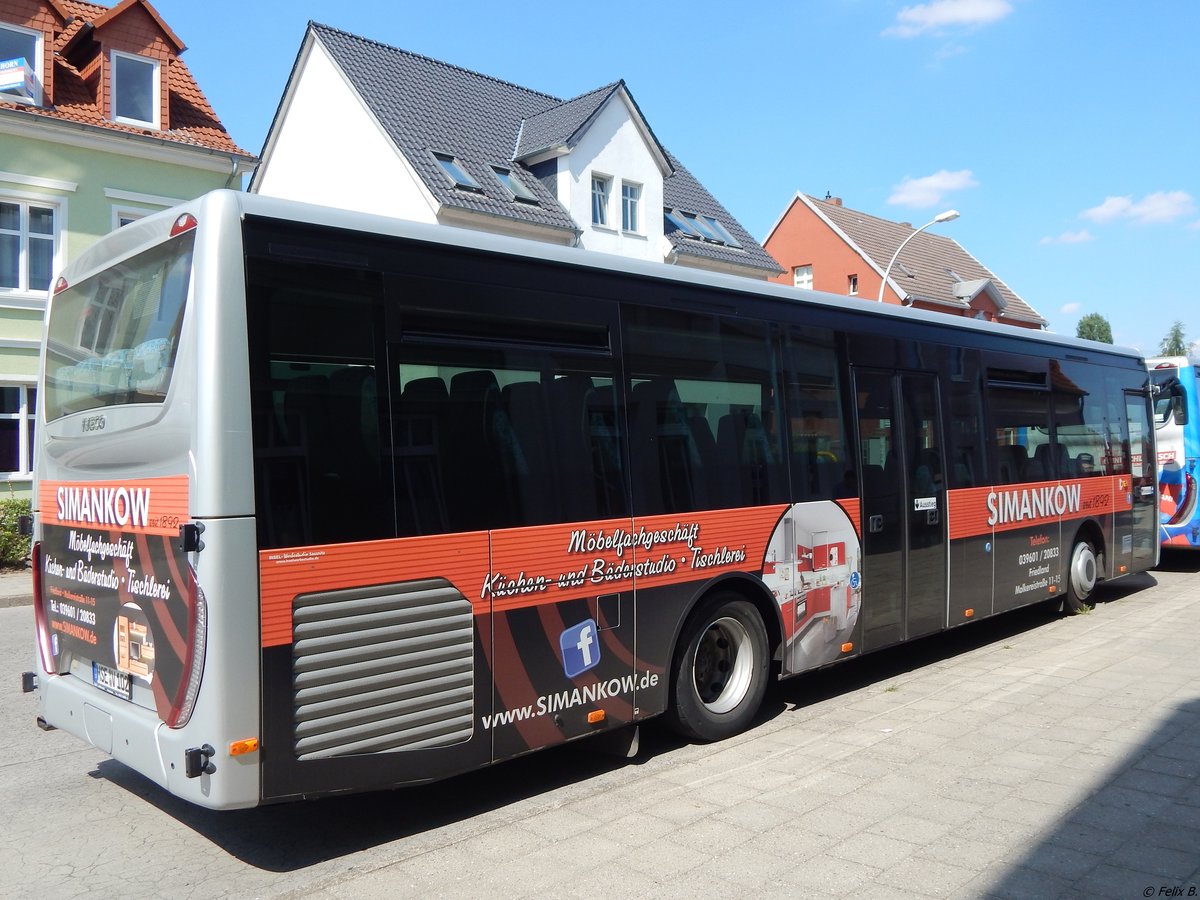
{"points": [[382, 668]]}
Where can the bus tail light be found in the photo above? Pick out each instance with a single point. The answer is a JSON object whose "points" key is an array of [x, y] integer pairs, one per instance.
{"points": [[185, 222], [60, 285], [193, 666], [41, 625]]}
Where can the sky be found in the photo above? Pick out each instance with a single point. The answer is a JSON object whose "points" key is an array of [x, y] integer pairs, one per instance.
{"points": [[1066, 132]]}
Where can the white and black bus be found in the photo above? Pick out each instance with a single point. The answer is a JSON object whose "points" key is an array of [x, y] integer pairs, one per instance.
{"points": [[329, 502]]}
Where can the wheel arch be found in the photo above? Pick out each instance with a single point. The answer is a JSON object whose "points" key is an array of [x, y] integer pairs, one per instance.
{"points": [[1090, 530], [753, 591]]}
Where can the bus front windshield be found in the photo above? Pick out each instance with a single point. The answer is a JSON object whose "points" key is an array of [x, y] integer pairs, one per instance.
{"points": [[112, 338]]}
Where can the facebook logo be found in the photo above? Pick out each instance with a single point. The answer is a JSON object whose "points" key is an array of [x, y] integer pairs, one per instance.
{"points": [[580, 650]]}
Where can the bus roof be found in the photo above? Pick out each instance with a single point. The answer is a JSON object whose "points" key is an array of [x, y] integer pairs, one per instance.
{"points": [[137, 234]]}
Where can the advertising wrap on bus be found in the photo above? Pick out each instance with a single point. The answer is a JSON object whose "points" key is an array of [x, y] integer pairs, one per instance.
{"points": [[462, 498], [116, 586], [1177, 420]]}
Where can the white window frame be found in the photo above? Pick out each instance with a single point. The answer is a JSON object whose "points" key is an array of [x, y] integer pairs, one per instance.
{"points": [[129, 214], [155, 90], [25, 417], [631, 204], [802, 277], [38, 74], [604, 183], [852, 285], [24, 200]]}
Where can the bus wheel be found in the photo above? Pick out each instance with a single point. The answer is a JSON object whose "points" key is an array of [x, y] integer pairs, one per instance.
{"points": [[720, 677], [1081, 576]]}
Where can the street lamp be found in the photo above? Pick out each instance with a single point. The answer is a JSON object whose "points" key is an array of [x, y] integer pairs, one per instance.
{"points": [[948, 216]]}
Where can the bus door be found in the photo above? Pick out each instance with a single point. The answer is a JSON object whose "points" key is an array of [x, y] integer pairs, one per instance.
{"points": [[1143, 552], [903, 506]]}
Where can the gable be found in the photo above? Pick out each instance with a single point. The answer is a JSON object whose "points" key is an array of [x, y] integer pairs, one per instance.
{"points": [[323, 126]]}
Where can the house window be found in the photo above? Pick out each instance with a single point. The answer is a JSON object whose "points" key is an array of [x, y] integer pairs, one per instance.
{"points": [[124, 216], [802, 277], [17, 405], [514, 185], [631, 200], [852, 285], [459, 177], [135, 90], [720, 231], [601, 188], [27, 233], [20, 64]]}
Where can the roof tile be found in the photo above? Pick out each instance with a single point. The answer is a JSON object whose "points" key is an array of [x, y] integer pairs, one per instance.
{"points": [[428, 106], [932, 264]]}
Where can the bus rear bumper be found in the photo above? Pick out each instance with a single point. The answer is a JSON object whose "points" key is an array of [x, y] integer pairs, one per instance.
{"points": [[137, 738]]}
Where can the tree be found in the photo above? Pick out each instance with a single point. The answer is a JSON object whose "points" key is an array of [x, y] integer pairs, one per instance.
{"points": [[1174, 344], [1094, 327]]}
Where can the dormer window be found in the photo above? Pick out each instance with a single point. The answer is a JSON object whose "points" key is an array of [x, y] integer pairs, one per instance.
{"points": [[601, 190], [135, 90], [631, 202], [20, 65], [459, 177]]}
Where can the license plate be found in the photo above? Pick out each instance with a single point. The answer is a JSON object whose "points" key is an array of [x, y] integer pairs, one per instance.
{"points": [[109, 680]]}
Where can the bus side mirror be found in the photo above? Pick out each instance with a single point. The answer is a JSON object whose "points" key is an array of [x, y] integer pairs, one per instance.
{"points": [[25, 526], [1179, 405]]}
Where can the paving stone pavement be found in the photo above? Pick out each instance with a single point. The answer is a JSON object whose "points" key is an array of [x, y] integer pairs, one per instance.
{"points": [[1030, 756]]}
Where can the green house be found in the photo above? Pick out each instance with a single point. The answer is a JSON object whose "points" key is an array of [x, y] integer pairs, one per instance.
{"points": [[100, 123]]}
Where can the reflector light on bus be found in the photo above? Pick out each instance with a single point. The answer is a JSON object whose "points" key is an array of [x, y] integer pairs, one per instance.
{"points": [[185, 700], [239, 748], [595, 717], [847, 647], [968, 613], [45, 647], [185, 222]]}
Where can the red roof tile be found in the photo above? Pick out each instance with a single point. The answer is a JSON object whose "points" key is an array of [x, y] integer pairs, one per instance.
{"points": [[78, 96]]}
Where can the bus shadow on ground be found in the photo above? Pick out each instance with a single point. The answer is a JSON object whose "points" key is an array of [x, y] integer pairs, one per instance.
{"points": [[1134, 835], [846, 677], [295, 836]]}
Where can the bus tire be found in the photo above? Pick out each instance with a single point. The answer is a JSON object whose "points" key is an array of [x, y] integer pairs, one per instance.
{"points": [[719, 674], [1082, 575]]}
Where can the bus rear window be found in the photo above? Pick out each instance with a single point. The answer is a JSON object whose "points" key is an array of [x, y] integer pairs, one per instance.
{"points": [[112, 338]]}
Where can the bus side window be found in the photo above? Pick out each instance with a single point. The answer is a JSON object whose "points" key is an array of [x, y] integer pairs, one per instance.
{"points": [[704, 407]]}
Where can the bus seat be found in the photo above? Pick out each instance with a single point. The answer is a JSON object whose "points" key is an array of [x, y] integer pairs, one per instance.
{"points": [[663, 449], [529, 463], [567, 402], [604, 441], [421, 498], [470, 451], [1014, 459]]}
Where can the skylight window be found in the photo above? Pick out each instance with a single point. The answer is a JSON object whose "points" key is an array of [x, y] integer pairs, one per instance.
{"points": [[456, 173], [514, 185], [719, 230], [699, 227]]}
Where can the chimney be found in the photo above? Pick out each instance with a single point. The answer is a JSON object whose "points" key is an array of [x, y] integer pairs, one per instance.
{"points": [[829, 198]]}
